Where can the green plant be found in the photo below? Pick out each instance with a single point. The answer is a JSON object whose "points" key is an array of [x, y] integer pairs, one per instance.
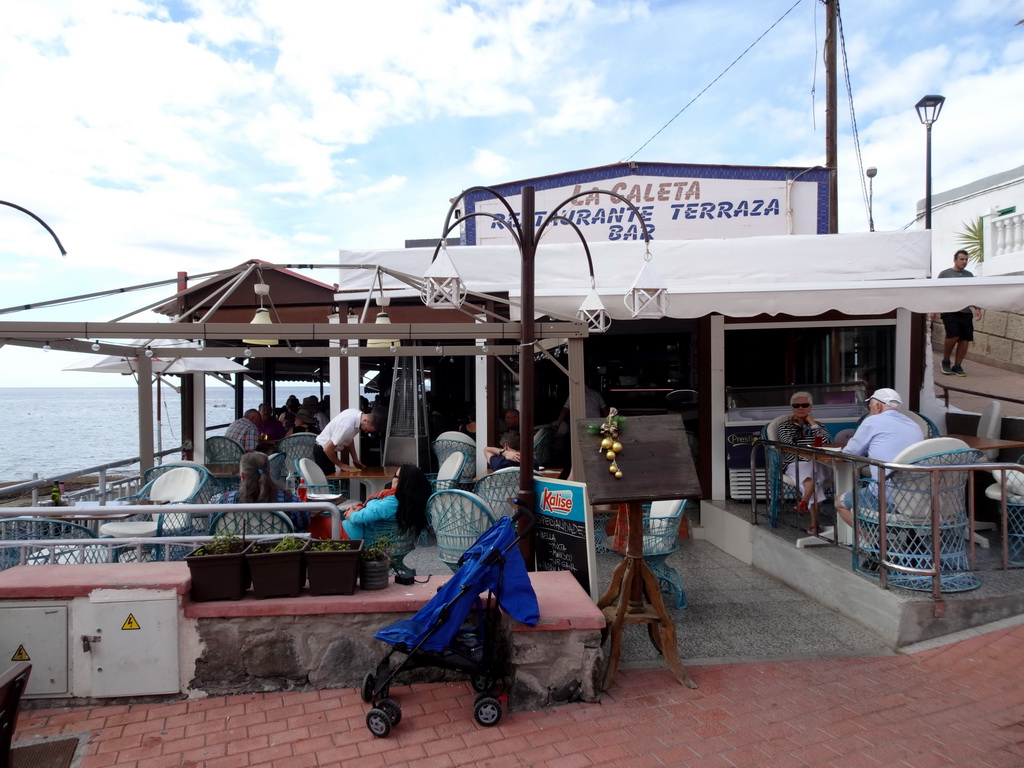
{"points": [[382, 549], [972, 240], [287, 544], [329, 545], [224, 543]]}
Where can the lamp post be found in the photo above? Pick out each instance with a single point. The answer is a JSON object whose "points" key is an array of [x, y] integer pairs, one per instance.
{"points": [[928, 110], [871, 173], [443, 287], [45, 225]]}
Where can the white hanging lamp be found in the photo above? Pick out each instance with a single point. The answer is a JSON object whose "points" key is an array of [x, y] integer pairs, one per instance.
{"points": [[262, 317], [648, 296], [382, 319], [442, 285], [592, 311]]}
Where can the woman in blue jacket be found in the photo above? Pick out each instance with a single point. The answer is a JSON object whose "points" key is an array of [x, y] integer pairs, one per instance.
{"points": [[405, 502]]}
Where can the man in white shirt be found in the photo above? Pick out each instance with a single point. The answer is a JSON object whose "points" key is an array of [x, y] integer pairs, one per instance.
{"points": [[882, 436], [336, 443]]}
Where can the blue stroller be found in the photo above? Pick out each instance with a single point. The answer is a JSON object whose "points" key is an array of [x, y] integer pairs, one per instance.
{"points": [[442, 635]]}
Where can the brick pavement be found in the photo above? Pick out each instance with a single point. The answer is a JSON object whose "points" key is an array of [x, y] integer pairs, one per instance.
{"points": [[960, 704]]}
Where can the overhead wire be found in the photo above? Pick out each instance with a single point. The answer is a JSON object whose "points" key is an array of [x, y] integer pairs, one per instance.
{"points": [[708, 86]]}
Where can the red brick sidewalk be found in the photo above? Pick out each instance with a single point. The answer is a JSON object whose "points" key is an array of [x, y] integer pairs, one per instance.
{"points": [[960, 705]]}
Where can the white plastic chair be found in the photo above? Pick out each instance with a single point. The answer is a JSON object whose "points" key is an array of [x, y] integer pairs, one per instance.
{"points": [[175, 485], [317, 484], [991, 425]]}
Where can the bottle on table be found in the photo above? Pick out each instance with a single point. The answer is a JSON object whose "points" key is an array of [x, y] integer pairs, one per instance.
{"points": [[302, 491], [55, 494]]}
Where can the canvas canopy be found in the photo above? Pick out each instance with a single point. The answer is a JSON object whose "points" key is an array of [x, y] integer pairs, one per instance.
{"points": [[803, 275]]}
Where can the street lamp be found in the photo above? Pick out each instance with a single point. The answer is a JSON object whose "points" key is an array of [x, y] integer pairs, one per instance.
{"points": [[443, 286], [871, 173], [928, 110], [45, 225]]}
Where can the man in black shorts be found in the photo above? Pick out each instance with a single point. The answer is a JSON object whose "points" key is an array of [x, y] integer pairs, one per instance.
{"points": [[959, 325]]}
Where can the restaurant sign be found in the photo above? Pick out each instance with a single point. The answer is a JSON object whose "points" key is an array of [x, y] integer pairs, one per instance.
{"points": [[696, 206]]}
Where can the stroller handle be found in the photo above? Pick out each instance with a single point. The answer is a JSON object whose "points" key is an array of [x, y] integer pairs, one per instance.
{"points": [[523, 511]]}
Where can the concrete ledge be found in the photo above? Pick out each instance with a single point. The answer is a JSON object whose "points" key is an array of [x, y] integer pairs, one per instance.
{"points": [[70, 581], [308, 642]]}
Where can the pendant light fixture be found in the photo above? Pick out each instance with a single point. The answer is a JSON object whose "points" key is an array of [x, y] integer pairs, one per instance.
{"points": [[262, 316]]}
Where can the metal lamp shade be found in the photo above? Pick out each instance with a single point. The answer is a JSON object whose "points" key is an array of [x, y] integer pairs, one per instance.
{"points": [[382, 319], [262, 317]]}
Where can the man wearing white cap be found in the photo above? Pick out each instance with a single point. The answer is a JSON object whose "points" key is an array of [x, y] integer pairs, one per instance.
{"points": [[883, 434]]}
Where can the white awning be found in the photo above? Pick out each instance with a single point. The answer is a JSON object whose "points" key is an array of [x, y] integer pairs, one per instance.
{"points": [[805, 275]]}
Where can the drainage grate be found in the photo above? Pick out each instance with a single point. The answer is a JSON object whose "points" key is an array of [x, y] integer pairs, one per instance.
{"points": [[46, 754]]}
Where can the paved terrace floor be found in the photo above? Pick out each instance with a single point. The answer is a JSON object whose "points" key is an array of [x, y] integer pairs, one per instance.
{"points": [[960, 704]]}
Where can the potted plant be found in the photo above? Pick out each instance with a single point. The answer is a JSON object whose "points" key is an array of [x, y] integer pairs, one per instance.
{"points": [[218, 569], [375, 564], [277, 566], [332, 566]]}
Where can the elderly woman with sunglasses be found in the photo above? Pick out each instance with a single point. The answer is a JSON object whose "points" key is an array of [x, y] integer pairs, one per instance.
{"points": [[405, 501], [802, 429]]}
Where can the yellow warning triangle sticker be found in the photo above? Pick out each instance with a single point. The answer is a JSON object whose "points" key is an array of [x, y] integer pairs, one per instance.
{"points": [[130, 623], [21, 654]]}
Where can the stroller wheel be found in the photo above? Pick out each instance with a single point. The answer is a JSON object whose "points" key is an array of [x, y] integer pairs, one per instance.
{"points": [[391, 707], [378, 722], [366, 692], [487, 711], [481, 683]]}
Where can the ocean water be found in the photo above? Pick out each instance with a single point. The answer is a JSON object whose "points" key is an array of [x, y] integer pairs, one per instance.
{"points": [[57, 430]]}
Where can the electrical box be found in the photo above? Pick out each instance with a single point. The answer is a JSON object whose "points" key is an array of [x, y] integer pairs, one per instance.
{"points": [[37, 633], [131, 645]]}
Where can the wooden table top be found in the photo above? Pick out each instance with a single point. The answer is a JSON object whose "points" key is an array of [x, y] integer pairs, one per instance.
{"points": [[988, 443], [370, 473], [222, 470]]}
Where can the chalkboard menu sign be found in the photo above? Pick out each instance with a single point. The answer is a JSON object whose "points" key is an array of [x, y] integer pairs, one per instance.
{"points": [[564, 530]]}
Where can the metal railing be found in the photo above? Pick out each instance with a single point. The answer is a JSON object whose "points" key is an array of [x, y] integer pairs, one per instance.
{"points": [[821, 455], [121, 486], [946, 389], [110, 550]]}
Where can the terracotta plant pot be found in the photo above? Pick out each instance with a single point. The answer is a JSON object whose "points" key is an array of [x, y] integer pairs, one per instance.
{"points": [[276, 574], [333, 572], [218, 577], [374, 574]]}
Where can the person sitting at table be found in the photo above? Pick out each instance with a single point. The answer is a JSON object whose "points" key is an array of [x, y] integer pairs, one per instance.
{"points": [[405, 502], [304, 422], [270, 427], [258, 487], [801, 429], [505, 456], [245, 431]]}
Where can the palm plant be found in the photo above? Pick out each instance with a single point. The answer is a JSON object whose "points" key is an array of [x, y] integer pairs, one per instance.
{"points": [[972, 240]]}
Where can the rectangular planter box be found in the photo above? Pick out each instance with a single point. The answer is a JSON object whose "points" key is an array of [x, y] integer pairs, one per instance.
{"points": [[276, 574], [217, 577], [333, 573]]}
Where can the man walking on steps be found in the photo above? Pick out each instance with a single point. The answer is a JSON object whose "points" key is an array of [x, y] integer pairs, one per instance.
{"points": [[959, 325]]}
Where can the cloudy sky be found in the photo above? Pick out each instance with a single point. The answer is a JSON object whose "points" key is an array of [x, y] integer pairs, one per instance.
{"points": [[155, 137]]}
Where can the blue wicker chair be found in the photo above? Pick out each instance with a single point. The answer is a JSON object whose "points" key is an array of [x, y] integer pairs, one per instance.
{"points": [[404, 543], [251, 523], [1014, 510], [498, 489], [297, 446], [458, 518], [449, 476], [661, 539], [223, 450], [448, 443], [49, 550], [908, 522]]}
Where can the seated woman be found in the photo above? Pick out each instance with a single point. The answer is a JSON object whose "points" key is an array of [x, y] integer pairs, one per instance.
{"points": [[258, 487], [405, 502], [801, 429]]}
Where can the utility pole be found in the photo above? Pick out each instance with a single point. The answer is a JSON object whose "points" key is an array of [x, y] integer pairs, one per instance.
{"points": [[831, 145]]}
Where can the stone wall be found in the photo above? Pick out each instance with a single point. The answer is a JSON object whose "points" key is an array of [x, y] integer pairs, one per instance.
{"points": [[998, 340]]}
